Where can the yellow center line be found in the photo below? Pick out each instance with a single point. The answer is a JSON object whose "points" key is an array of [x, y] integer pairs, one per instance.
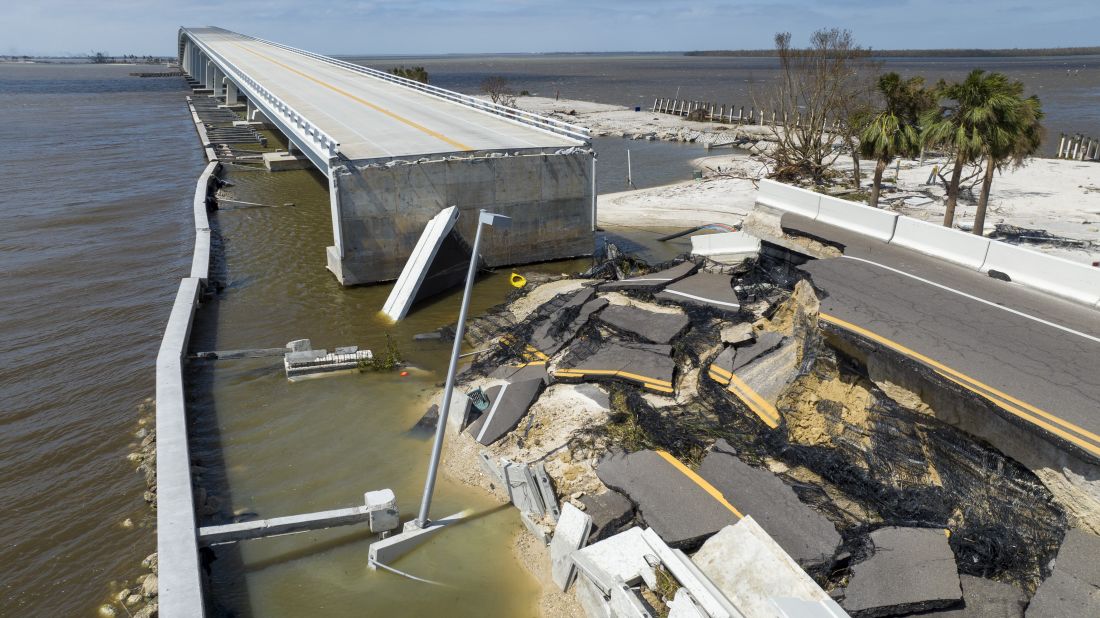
{"points": [[759, 406], [701, 482], [575, 372], [1001, 399], [402, 119]]}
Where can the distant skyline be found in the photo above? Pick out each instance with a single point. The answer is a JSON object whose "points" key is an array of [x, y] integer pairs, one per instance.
{"points": [[413, 27]]}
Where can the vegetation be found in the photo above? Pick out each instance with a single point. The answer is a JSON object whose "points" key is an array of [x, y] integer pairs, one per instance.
{"points": [[499, 90], [894, 131], [417, 74], [982, 119], [388, 360]]}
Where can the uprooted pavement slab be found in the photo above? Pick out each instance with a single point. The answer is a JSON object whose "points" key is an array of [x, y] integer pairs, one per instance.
{"points": [[670, 498], [704, 289], [911, 570], [805, 534], [985, 598], [1074, 587], [647, 365], [508, 403], [655, 327]]}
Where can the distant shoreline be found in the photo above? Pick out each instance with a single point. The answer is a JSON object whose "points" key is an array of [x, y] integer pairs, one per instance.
{"points": [[925, 53]]}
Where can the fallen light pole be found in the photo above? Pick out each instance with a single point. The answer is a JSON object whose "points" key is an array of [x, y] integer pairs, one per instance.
{"points": [[417, 531]]}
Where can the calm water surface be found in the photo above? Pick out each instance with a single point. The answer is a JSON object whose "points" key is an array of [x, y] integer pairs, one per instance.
{"points": [[95, 232]]}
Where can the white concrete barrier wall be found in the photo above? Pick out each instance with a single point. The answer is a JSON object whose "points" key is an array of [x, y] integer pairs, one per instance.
{"points": [[200, 261], [952, 245], [1061, 277], [179, 572], [873, 222], [789, 198]]}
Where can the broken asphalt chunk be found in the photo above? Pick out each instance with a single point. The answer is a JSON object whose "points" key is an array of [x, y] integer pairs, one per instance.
{"points": [[509, 403], [558, 328], [711, 290], [680, 506], [609, 511], [653, 282], [1073, 589], [651, 325], [912, 570], [647, 365]]}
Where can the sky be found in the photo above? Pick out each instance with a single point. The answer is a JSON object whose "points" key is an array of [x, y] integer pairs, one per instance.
{"points": [[379, 27]]}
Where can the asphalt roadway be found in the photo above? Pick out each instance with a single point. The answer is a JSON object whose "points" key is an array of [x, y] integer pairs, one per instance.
{"points": [[370, 117], [1034, 355]]}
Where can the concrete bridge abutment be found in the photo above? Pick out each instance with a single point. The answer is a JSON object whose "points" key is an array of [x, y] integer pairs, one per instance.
{"points": [[380, 207]]}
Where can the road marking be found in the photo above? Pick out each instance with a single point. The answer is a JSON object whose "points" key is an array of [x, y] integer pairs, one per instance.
{"points": [[701, 482], [980, 300], [704, 300], [397, 117], [1021, 409], [492, 411], [759, 406], [650, 383]]}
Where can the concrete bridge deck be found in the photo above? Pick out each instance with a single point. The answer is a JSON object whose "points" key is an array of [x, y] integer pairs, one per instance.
{"points": [[367, 116]]}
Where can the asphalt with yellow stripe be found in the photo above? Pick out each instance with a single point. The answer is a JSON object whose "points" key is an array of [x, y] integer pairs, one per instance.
{"points": [[1040, 364]]}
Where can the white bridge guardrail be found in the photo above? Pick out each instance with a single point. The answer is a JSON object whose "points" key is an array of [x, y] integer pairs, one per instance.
{"points": [[299, 126], [544, 123], [1057, 276]]}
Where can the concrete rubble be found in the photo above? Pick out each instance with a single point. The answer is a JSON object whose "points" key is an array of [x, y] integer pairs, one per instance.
{"points": [[911, 570], [303, 360], [650, 325], [570, 534], [609, 510], [727, 248]]}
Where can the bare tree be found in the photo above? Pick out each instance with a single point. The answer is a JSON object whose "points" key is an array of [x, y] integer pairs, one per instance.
{"points": [[819, 86], [499, 90]]}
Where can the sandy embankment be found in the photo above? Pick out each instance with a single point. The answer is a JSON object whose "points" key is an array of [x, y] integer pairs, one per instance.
{"points": [[1062, 197]]}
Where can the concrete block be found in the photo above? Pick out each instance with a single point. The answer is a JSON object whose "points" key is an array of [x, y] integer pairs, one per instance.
{"points": [[620, 557], [491, 468], [382, 506], [1073, 589], [570, 535], [424, 269], [610, 511], [750, 569], [683, 606], [626, 603], [737, 334], [284, 161], [653, 282], [300, 345], [726, 248], [546, 490], [509, 404], [459, 415], [650, 325], [591, 599], [537, 530], [809, 538], [710, 290], [912, 570], [691, 578], [680, 509], [522, 489], [389, 549], [1058, 276]]}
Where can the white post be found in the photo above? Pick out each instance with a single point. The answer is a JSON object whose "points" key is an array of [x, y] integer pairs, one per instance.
{"points": [[593, 191], [629, 175], [1061, 145]]}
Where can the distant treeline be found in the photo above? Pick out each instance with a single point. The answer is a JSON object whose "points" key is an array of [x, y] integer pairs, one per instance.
{"points": [[924, 53]]}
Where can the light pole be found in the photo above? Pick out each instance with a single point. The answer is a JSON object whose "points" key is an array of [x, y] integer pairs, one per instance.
{"points": [[499, 222]]}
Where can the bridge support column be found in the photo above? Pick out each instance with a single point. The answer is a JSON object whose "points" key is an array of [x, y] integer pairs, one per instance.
{"points": [[230, 92], [208, 76]]}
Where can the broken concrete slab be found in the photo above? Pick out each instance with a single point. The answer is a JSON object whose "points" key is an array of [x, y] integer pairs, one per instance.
{"points": [[391, 548], [710, 290], [650, 325], [509, 402], [647, 365], [653, 282], [760, 383], [809, 538], [610, 511], [911, 570], [985, 598], [571, 534], [737, 334], [1073, 589], [690, 577], [680, 506], [592, 600], [752, 570], [683, 606], [438, 262], [618, 558], [726, 247], [627, 603]]}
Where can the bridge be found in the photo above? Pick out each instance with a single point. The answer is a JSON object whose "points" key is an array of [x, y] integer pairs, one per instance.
{"points": [[396, 152]]}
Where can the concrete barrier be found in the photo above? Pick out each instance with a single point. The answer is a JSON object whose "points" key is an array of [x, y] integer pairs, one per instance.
{"points": [[873, 222], [789, 198], [200, 261], [1071, 280], [948, 244], [179, 573]]}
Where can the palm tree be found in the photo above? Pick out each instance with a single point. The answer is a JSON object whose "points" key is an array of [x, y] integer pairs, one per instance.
{"points": [[894, 131], [1013, 135], [983, 117]]}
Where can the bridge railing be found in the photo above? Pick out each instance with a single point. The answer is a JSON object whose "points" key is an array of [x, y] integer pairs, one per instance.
{"points": [[297, 122], [510, 113]]}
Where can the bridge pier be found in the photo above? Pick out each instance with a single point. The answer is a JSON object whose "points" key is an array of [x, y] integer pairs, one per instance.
{"points": [[230, 92], [380, 208]]}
